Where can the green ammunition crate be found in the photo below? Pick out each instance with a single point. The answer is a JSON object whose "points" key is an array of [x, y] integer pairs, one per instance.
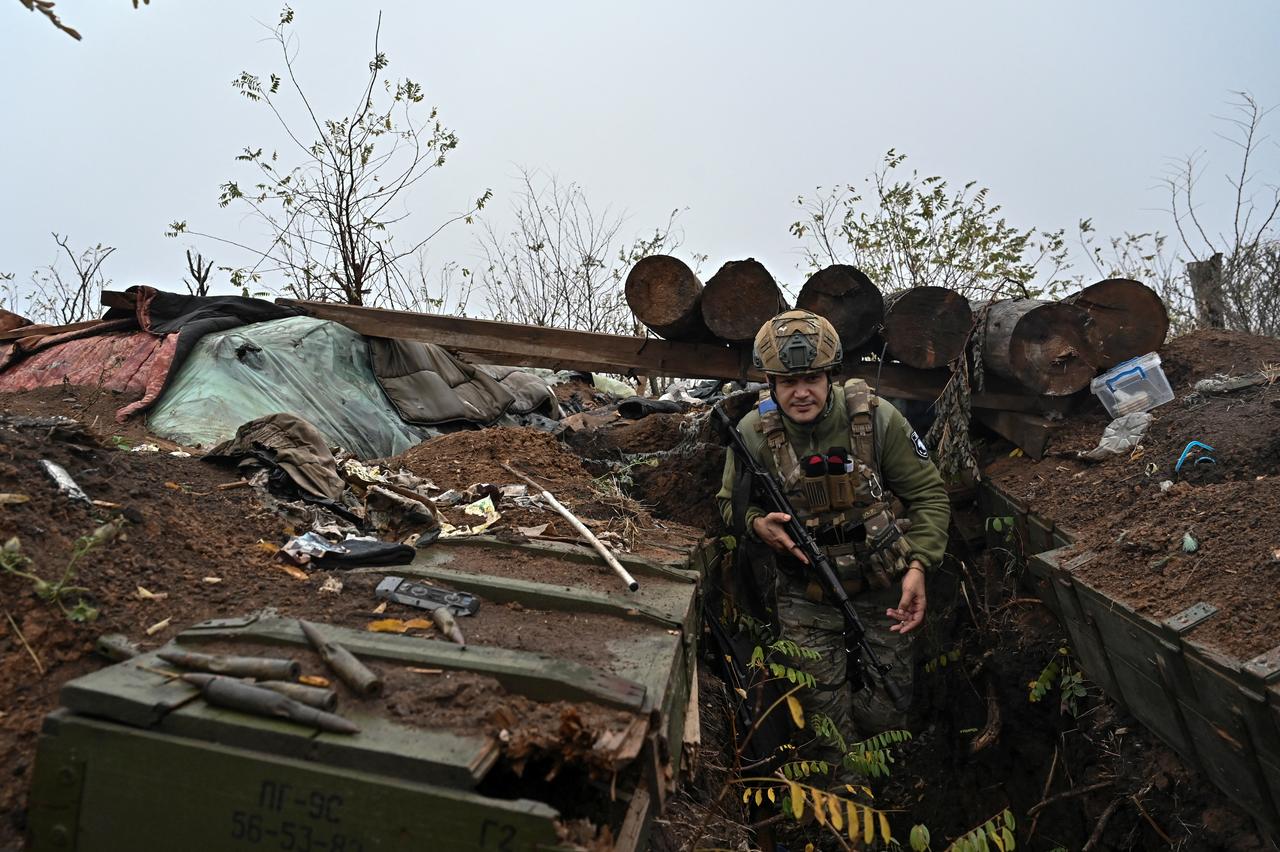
{"points": [[133, 761]]}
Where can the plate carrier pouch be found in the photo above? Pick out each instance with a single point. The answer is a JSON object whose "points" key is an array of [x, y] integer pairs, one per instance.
{"points": [[882, 558]]}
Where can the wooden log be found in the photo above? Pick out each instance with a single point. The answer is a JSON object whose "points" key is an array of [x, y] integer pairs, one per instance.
{"points": [[739, 299], [1129, 319], [1045, 347], [666, 296], [926, 327], [849, 300]]}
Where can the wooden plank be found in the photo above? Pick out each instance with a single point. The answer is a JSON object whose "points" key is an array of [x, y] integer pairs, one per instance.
{"points": [[43, 330], [673, 569], [556, 348], [533, 346], [127, 694], [1028, 431], [146, 790], [634, 834], [658, 609], [538, 676], [410, 752]]}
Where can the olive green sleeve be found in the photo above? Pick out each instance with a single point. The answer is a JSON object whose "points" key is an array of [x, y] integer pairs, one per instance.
{"points": [[724, 499], [912, 477]]}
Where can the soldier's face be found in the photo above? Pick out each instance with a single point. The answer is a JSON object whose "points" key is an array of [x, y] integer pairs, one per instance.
{"points": [[802, 398]]}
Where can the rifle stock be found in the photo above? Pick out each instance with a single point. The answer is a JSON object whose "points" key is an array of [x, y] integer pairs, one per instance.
{"points": [[862, 658]]}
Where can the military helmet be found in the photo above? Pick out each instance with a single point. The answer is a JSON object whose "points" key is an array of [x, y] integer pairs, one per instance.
{"points": [[796, 342]]}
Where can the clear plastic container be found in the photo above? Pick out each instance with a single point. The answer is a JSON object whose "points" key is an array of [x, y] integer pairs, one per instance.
{"points": [[1134, 385]]}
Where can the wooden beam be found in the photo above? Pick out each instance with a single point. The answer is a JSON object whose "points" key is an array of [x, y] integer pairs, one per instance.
{"points": [[44, 330], [556, 348], [1027, 431], [534, 346]]}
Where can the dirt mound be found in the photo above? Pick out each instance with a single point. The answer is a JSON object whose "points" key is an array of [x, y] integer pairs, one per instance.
{"points": [[95, 407], [1207, 351], [460, 459], [664, 461], [577, 395], [179, 530], [1122, 508]]}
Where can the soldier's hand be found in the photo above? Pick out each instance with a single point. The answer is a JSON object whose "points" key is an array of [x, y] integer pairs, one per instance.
{"points": [[911, 609], [769, 529]]}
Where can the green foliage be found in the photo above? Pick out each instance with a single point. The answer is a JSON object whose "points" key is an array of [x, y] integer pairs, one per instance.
{"points": [[942, 661], [1061, 673], [996, 833], [793, 650], [797, 769], [782, 670], [824, 728], [913, 231], [919, 838], [61, 592], [872, 757], [1003, 523]]}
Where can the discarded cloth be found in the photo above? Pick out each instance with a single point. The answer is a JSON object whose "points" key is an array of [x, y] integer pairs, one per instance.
{"points": [[1120, 436], [638, 407], [428, 386], [287, 442], [313, 549]]}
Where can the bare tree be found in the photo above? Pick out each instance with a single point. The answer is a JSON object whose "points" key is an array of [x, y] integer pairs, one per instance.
{"points": [[331, 217], [62, 298], [1250, 241], [562, 264], [446, 290], [199, 270], [45, 7]]}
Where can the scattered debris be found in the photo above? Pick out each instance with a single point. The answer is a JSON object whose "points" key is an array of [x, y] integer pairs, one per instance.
{"points": [[66, 485], [158, 626]]}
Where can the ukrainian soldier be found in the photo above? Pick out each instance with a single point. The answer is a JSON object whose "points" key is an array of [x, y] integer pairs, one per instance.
{"points": [[861, 481]]}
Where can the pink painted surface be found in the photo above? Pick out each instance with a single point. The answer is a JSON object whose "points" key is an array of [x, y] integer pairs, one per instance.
{"points": [[128, 362]]}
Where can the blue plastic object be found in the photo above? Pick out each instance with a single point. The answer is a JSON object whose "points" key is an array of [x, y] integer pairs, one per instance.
{"points": [[1191, 446], [1132, 371]]}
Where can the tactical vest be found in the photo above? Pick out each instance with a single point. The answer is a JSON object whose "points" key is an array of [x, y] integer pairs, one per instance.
{"points": [[839, 506]]}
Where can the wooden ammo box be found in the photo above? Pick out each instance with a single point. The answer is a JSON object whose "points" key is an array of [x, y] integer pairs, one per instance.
{"points": [[580, 753]]}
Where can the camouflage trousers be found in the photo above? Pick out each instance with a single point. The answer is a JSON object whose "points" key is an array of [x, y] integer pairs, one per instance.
{"points": [[820, 627]]}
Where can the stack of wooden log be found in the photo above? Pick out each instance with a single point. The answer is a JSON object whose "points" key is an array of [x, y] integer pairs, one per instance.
{"points": [[1042, 348]]}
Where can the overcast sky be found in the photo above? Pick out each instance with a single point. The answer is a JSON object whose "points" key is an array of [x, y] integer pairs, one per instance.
{"points": [[728, 110]]}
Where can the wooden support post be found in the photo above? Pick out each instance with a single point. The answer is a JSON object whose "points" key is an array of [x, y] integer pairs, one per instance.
{"points": [[1206, 286]]}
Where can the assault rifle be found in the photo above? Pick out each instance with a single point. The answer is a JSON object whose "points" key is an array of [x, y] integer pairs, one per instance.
{"points": [[860, 655]]}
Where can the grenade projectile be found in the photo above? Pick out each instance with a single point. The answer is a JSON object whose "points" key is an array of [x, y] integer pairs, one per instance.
{"points": [[448, 625], [259, 668], [312, 696], [350, 670], [222, 691]]}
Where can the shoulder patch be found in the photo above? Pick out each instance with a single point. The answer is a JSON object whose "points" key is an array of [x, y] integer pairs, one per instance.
{"points": [[921, 450]]}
